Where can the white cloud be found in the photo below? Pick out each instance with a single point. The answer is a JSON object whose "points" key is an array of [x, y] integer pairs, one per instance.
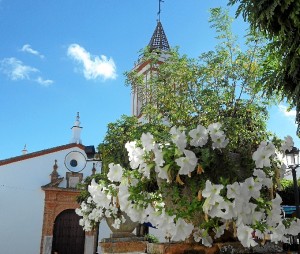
{"points": [[44, 82], [93, 66], [288, 113], [27, 48], [15, 69]]}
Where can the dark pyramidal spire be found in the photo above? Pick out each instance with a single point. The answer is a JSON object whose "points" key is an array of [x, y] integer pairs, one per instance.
{"points": [[159, 39]]}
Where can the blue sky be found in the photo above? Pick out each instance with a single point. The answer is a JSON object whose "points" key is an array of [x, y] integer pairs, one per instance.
{"points": [[58, 58]]}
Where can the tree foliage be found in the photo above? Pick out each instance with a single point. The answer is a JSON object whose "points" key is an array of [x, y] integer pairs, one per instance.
{"points": [[221, 85], [287, 192], [279, 20], [126, 129]]}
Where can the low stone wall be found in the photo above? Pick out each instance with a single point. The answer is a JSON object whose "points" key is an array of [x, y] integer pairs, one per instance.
{"points": [[217, 248], [138, 245], [130, 245]]}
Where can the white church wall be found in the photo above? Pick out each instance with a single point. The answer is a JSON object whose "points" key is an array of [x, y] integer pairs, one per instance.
{"points": [[104, 232], [22, 200]]}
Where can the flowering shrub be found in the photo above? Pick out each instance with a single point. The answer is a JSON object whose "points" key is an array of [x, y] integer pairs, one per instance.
{"points": [[170, 186], [103, 202]]}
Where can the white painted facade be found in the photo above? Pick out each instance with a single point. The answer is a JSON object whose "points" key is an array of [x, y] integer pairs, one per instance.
{"points": [[22, 198]]}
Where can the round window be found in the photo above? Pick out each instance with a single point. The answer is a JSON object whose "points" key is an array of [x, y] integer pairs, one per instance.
{"points": [[73, 163]]}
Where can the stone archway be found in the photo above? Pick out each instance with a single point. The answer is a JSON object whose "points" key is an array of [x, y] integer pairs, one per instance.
{"points": [[68, 235], [58, 200]]}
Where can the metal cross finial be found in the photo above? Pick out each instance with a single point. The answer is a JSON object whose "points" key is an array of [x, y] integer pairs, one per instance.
{"points": [[159, 1]]}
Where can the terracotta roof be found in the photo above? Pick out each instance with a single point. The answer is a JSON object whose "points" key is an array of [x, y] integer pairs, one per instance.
{"points": [[39, 153]]}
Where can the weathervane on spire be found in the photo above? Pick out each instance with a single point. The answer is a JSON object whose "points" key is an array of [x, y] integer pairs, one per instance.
{"points": [[159, 1]]}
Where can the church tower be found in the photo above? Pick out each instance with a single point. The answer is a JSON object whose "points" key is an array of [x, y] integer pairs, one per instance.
{"points": [[158, 45]]}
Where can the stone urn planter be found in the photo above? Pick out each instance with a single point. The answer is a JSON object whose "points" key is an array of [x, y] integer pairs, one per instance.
{"points": [[125, 229], [122, 240]]}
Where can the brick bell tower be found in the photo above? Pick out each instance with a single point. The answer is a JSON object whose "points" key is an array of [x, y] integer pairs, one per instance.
{"points": [[158, 45]]}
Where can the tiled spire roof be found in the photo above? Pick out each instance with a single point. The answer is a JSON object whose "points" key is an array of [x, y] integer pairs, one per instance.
{"points": [[159, 39]]}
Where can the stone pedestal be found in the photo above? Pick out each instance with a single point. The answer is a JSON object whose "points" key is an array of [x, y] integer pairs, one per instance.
{"points": [[217, 248], [128, 245]]}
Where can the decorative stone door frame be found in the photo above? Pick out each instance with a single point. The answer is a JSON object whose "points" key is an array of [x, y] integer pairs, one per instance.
{"points": [[57, 200]]}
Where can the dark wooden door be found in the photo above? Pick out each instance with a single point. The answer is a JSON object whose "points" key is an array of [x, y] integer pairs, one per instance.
{"points": [[68, 235]]}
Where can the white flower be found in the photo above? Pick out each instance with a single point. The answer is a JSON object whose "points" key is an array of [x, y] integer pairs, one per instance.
{"points": [[250, 188], [136, 213], [98, 194], [203, 235], [85, 208], [223, 209], [158, 156], [179, 138], [164, 222], [274, 215], [182, 230], [199, 136], [162, 173], [262, 178], [113, 209], [259, 234], [211, 193], [130, 146], [89, 200], [276, 202], [278, 233], [294, 228], [207, 240], [197, 236], [107, 214], [233, 190], [244, 234], [188, 163], [159, 162], [115, 172], [219, 231], [123, 196], [117, 223], [86, 224], [219, 140], [135, 154], [217, 136], [78, 212], [137, 159], [96, 215], [287, 144], [214, 128], [144, 169], [94, 187], [245, 211], [211, 189], [263, 153], [147, 141]]}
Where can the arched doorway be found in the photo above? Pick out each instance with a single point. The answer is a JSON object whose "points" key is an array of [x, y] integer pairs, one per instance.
{"points": [[68, 235]]}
